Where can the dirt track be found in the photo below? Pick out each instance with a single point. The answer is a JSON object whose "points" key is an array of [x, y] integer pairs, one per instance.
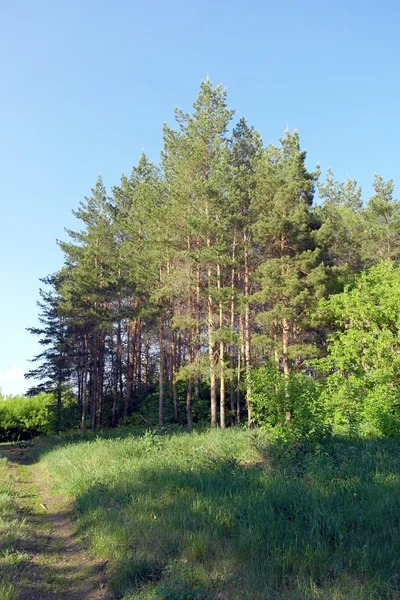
{"points": [[59, 565]]}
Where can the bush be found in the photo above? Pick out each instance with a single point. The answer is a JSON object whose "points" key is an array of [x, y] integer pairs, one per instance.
{"points": [[362, 366], [24, 418], [274, 397]]}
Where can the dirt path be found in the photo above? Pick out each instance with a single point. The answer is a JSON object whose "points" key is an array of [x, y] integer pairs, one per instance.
{"points": [[59, 565]]}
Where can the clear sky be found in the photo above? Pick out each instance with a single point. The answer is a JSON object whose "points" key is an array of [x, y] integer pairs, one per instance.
{"points": [[86, 85]]}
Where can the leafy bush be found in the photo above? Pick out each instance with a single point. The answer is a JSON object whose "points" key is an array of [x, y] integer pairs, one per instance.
{"points": [[363, 362], [23, 418], [274, 397]]}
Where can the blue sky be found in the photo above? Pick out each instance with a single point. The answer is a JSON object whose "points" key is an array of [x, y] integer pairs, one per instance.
{"points": [[85, 86]]}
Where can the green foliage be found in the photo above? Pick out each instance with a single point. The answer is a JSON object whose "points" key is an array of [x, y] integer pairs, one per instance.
{"points": [[148, 406], [341, 233], [274, 396], [382, 221], [212, 262], [24, 418], [290, 277], [363, 361]]}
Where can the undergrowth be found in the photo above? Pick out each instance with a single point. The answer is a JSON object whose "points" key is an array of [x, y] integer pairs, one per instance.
{"points": [[229, 515]]}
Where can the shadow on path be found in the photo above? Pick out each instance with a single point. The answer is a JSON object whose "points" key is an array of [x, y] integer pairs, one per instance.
{"points": [[52, 561]]}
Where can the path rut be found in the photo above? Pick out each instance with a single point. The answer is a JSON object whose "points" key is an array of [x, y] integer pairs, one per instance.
{"points": [[59, 565]]}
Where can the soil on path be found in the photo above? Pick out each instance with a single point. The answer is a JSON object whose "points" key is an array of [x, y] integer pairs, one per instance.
{"points": [[59, 565]]}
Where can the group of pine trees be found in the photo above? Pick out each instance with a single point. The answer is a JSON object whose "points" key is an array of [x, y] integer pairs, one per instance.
{"points": [[193, 272]]}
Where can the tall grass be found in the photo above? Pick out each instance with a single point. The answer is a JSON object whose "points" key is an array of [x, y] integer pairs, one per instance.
{"points": [[227, 515], [12, 532]]}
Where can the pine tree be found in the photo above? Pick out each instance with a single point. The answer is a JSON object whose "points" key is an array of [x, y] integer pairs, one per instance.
{"points": [[138, 205], [194, 160], [89, 289], [245, 154], [55, 361], [291, 274], [341, 232], [382, 224]]}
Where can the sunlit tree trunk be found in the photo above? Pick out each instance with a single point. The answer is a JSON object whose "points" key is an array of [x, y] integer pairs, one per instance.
{"points": [[211, 352], [247, 326], [130, 370], [161, 375], [173, 372], [115, 375], [232, 345], [84, 383], [221, 356], [197, 337]]}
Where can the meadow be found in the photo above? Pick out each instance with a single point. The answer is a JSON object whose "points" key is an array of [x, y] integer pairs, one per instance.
{"points": [[232, 515]]}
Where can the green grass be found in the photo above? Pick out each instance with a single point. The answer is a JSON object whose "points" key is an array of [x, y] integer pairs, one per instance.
{"points": [[227, 515], [12, 532]]}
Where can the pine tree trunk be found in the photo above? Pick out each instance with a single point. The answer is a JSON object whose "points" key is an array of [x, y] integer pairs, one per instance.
{"points": [[181, 351], [100, 385], [189, 404], [84, 383], [189, 387], [211, 353], [296, 340], [276, 352], [94, 382], [197, 337], [79, 379], [133, 359], [173, 373], [222, 386], [238, 407], [232, 345], [139, 354], [285, 362], [118, 384], [59, 397], [114, 356], [190, 338], [285, 342], [221, 358], [247, 327], [130, 370], [161, 376], [241, 362], [147, 355]]}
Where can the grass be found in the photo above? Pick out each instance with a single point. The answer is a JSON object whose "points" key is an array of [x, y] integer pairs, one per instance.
{"points": [[227, 515], [13, 531]]}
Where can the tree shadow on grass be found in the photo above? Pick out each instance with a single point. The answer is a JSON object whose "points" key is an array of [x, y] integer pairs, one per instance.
{"points": [[299, 524], [321, 524]]}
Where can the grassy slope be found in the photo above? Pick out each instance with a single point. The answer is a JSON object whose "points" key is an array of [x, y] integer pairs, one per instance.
{"points": [[222, 515]]}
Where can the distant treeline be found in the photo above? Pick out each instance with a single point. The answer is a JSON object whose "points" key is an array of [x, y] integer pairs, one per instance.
{"points": [[211, 286]]}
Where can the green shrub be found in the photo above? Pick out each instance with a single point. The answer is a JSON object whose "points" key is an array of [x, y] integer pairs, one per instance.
{"points": [[24, 418], [362, 366], [274, 397]]}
